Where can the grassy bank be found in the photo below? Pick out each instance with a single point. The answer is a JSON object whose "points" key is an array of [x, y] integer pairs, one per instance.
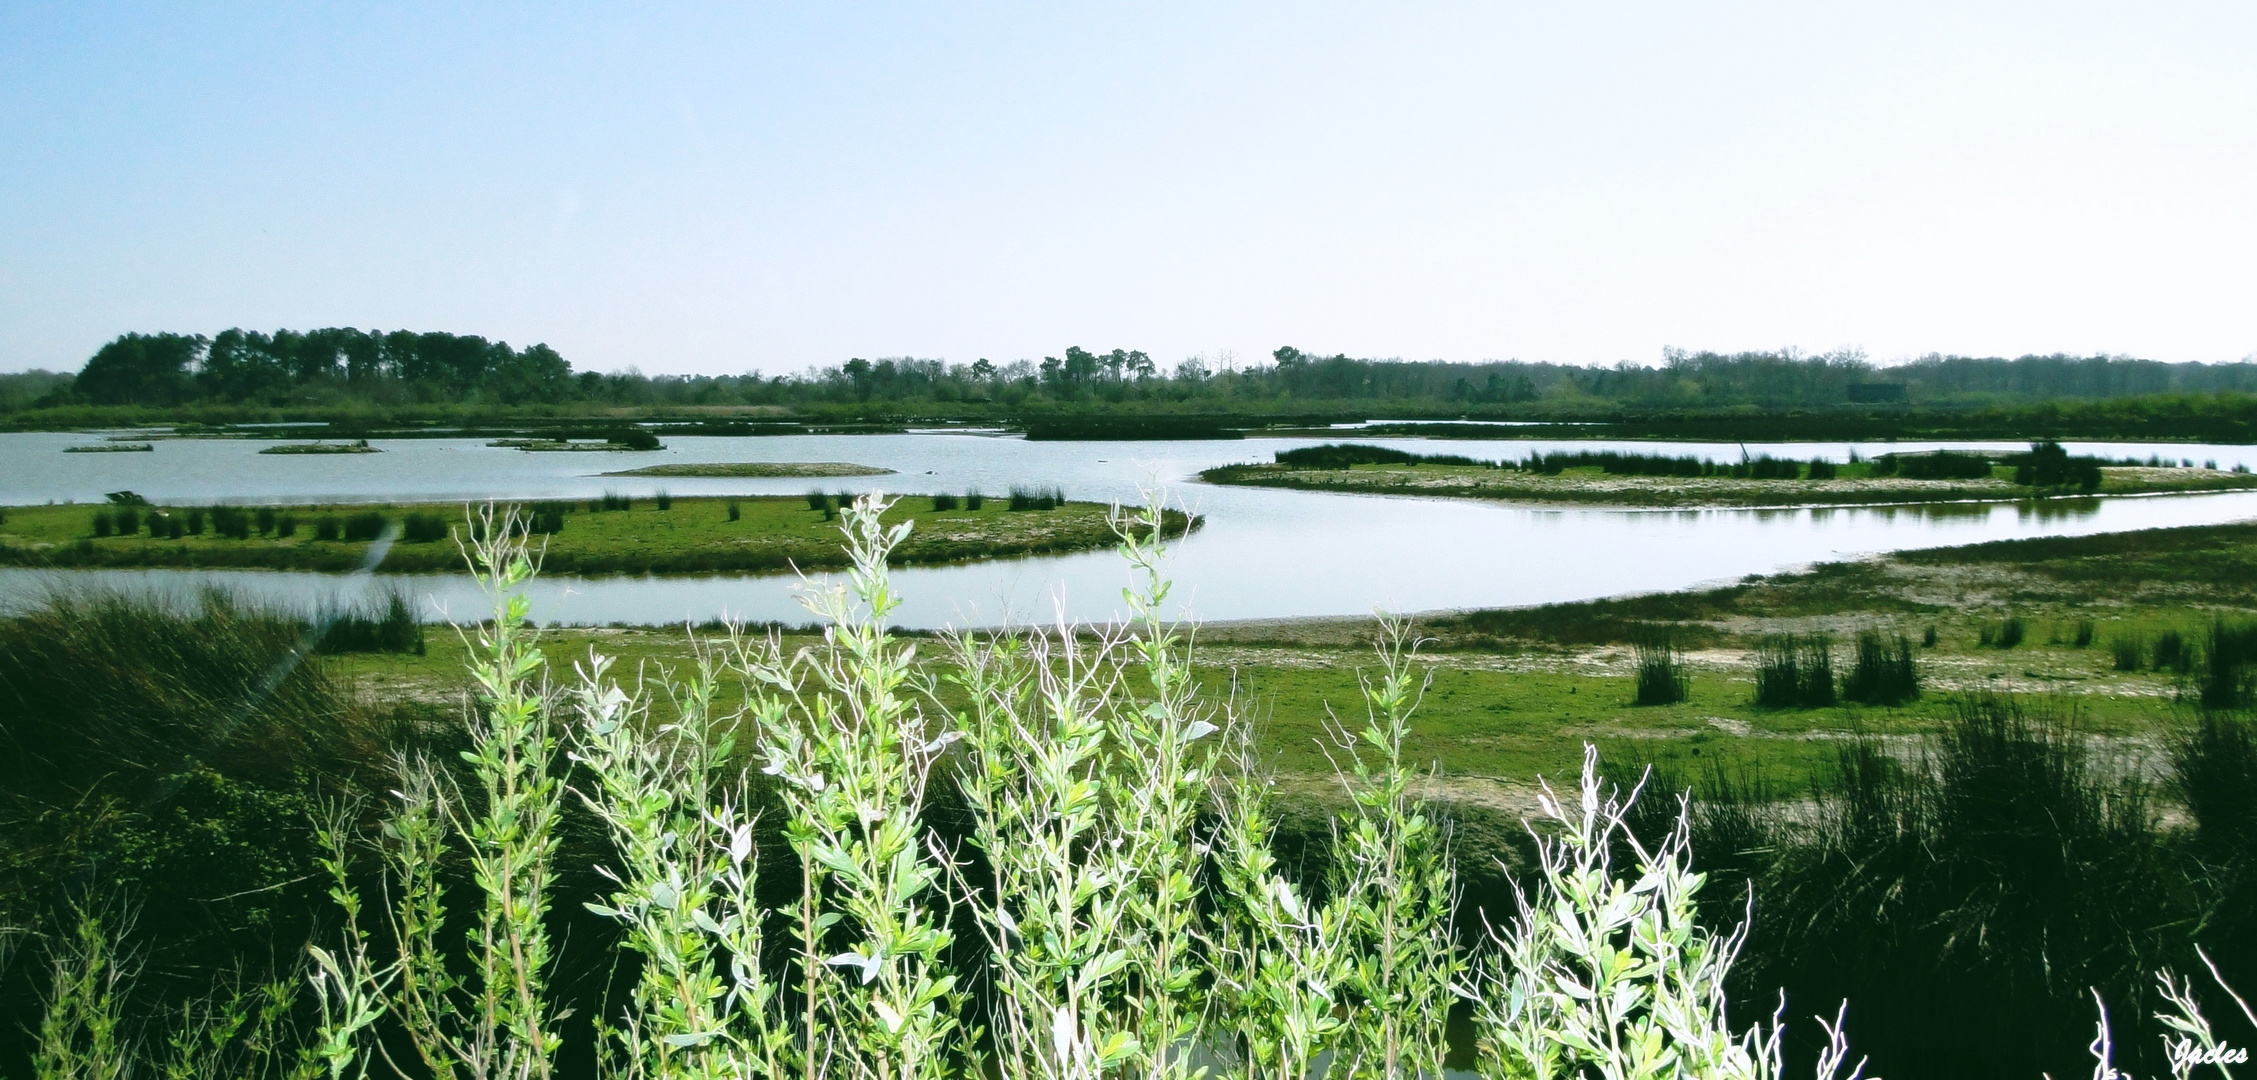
{"points": [[1853, 485], [751, 534]]}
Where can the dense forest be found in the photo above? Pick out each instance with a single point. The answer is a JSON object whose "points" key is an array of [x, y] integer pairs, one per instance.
{"points": [[343, 369]]}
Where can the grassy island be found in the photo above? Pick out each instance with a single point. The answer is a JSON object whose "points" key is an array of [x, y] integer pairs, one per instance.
{"points": [[360, 447], [1852, 485], [739, 470], [612, 535]]}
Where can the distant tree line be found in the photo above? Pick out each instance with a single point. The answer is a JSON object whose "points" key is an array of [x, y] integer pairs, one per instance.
{"points": [[314, 365], [344, 365]]}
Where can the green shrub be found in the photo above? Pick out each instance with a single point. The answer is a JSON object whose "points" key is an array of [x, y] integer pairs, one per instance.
{"points": [[364, 526], [328, 529], [265, 519], [1884, 672], [734, 511], [420, 528], [1661, 679], [103, 523], [2004, 634], [1795, 671]]}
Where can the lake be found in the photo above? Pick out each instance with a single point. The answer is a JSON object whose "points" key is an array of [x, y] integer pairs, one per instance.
{"points": [[1262, 553]]}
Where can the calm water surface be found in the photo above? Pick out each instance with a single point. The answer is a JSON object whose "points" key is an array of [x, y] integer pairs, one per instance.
{"points": [[1262, 554]]}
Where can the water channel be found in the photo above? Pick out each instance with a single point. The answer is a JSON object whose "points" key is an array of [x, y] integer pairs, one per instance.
{"points": [[1262, 554]]}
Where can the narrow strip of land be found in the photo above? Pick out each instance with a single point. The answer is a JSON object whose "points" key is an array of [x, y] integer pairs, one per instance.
{"points": [[757, 469], [1590, 486], [750, 534]]}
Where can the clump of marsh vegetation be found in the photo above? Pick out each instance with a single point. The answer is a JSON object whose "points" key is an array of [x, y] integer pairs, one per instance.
{"points": [[1971, 893], [1348, 455], [390, 627], [943, 503], [1883, 671], [1030, 498], [2222, 673], [421, 528], [1935, 465], [1662, 678], [2003, 634], [1795, 671]]}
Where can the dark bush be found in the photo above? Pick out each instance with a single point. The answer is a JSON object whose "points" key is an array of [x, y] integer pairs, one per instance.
{"points": [[328, 528], [195, 520], [231, 522], [2082, 638], [285, 526], [365, 526], [128, 520], [2223, 679], [2004, 634], [1662, 679], [734, 512], [103, 524], [391, 629], [1024, 498], [943, 503], [1821, 469], [1795, 671], [1940, 465], [1968, 904], [2048, 465], [973, 500], [175, 526], [264, 518], [1928, 637], [2130, 651], [635, 439], [2171, 652], [1883, 672], [816, 500], [664, 499], [422, 528]]}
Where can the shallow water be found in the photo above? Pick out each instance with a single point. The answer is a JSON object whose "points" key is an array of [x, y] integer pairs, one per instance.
{"points": [[1262, 553]]}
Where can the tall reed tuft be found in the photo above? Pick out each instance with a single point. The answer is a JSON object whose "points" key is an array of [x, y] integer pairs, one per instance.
{"points": [[1795, 671], [1662, 679], [1884, 671]]}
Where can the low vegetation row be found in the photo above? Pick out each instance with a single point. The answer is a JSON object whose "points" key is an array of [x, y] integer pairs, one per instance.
{"points": [[615, 533], [1630, 478]]}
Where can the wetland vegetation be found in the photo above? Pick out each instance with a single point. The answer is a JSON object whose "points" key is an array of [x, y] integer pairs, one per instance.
{"points": [[1628, 479], [1962, 864], [610, 535]]}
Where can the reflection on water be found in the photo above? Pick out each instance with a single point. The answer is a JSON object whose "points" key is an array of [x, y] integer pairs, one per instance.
{"points": [[2049, 510], [1263, 553]]}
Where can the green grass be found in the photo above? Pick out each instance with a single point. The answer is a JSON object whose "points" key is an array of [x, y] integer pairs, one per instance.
{"points": [[695, 535]]}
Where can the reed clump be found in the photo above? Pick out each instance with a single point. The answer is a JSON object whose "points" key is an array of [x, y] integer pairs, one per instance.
{"points": [[2004, 634], [1883, 671], [1795, 671], [1031, 498], [1662, 678]]}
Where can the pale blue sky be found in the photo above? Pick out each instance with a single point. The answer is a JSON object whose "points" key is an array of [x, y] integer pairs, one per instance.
{"points": [[727, 187]]}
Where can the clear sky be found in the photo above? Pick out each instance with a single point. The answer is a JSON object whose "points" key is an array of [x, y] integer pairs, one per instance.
{"points": [[725, 187]]}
